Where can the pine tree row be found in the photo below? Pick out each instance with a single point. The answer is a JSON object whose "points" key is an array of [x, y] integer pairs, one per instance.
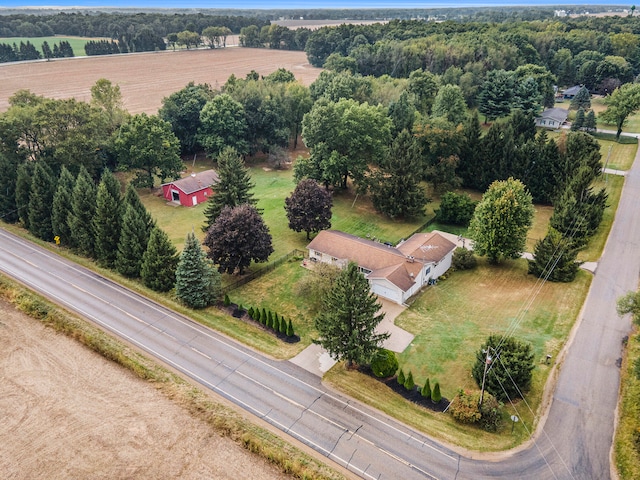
{"points": [[273, 321], [426, 391], [96, 222]]}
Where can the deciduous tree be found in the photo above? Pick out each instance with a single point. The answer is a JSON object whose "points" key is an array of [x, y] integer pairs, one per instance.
{"points": [[237, 237], [449, 104], [349, 317], [223, 123], [501, 221], [623, 102], [147, 145], [182, 110], [309, 208], [344, 138]]}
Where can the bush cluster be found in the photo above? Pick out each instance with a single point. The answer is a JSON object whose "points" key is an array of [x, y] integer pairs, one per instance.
{"points": [[384, 363], [463, 259], [466, 408]]}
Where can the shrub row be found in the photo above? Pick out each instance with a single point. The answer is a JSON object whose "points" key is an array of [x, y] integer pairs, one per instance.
{"points": [[273, 321]]}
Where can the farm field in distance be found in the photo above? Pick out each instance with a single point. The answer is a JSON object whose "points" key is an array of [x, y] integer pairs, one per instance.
{"points": [[77, 43], [146, 78]]}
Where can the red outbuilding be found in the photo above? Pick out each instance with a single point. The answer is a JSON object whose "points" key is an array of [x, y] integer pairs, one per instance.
{"points": [[191, 190]]}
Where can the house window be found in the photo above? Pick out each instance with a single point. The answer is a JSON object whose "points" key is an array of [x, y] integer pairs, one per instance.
{"points": [[427, 270], [363, 270]]}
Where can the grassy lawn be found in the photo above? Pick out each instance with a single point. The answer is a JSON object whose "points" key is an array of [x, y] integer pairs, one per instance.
{"points": [[77, 43], [626, 451], [613, 185], [617, 156], [632, 125], [351, 213], [451, 319]]}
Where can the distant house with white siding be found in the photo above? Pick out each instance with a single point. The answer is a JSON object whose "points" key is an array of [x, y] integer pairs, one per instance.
{"points": [[395, 273], [552, 118]]}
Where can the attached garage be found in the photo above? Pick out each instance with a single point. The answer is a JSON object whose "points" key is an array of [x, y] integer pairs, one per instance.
{"points": [[386, 290]]}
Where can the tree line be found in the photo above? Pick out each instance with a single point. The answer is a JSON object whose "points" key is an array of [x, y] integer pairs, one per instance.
{"points": [[28, 51]]}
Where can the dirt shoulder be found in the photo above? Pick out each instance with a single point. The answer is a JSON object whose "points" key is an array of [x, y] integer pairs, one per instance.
{"points": [[69, 413]]}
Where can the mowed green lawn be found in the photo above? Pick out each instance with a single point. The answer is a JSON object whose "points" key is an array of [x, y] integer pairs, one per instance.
{"points": [[351, 213], [77, 43]]}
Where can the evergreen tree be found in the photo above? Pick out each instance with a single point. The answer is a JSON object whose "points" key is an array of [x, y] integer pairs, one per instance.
{"points": [[132, 244], [408, 381], [555, 258], [582, 99], [511, 367], [590, 125], [23, 191], [395, 186], [107, 222], [426, 390], [159, 262], [290, 332], [578, 122], [471, 161], [43, 187], [8, 180], [132, 198], [197, 281], [436, 396], [233, 188], [263, 317], [348, 320], [83, 206], [61, 208], [400, 378]]}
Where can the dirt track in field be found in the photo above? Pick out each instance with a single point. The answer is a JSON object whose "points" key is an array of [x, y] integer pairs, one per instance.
{"points": [[146, 78], [69, 413]]}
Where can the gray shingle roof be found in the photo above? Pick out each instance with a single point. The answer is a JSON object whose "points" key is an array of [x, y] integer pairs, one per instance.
{"points": [[195, 182]]}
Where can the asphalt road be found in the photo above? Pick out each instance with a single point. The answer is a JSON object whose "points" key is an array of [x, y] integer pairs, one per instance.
{"points": [[574, 443]]}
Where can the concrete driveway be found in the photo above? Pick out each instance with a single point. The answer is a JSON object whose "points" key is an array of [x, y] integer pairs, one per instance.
{"points": [[317, 360]]}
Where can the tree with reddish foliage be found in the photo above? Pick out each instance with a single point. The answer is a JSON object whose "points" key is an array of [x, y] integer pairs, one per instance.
{"points": [[238, 236], [309, 208]]}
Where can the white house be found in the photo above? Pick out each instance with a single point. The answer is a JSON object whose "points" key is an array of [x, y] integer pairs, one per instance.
{"points": [[552, 118], [395, 273]]}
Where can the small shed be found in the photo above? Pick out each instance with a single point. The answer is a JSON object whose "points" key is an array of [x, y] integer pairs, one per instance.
{"points": [[552, 118], [191, 190]]}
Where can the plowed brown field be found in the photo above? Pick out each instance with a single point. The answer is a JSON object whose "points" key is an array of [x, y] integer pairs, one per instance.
{"points": [[146, 78], [69, 413]]}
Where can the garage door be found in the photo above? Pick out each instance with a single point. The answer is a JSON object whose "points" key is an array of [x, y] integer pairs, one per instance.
{"points": [[386, 292]]}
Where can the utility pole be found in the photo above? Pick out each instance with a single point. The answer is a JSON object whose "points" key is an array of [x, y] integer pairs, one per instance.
{"points": [[487, 362]]}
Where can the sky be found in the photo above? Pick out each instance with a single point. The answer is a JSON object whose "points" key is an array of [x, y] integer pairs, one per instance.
{"points": [[293, 4]]}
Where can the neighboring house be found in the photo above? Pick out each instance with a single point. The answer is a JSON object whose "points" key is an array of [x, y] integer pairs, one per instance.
{"points": [[191, 190], [395, 273], [569, 93], [552, 118]]}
